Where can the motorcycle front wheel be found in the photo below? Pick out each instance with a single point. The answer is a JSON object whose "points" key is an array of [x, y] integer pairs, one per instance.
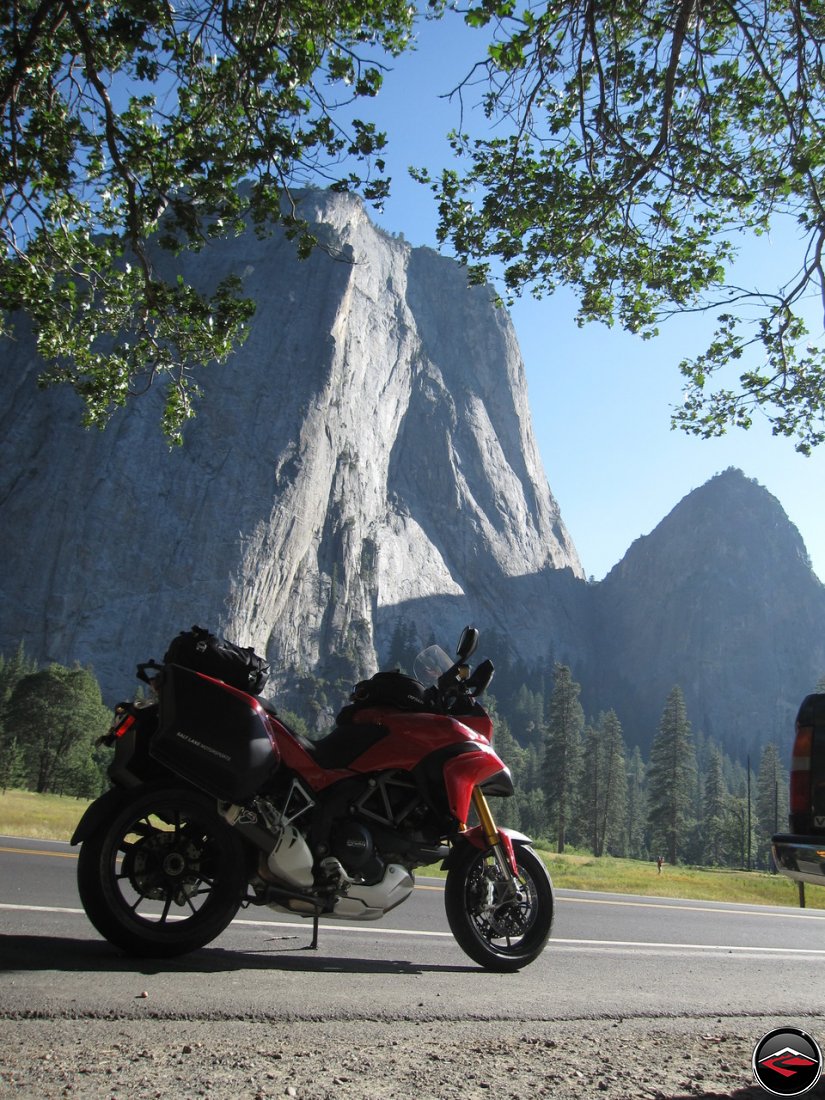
{"points": [[164, 875], [501, 929]]}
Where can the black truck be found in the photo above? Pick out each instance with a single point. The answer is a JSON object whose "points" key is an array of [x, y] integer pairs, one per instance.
{"points": [[800, 853]]}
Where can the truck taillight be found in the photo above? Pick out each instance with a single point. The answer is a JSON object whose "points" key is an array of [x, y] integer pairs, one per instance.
{"points": [[800, 800]]}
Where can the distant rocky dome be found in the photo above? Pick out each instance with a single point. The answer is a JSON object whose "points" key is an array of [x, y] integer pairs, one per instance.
{"points": [[720, 599], [367, 455]]}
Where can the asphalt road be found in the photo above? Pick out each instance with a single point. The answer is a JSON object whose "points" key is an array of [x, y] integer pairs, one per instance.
{"points": [[610, 956]]}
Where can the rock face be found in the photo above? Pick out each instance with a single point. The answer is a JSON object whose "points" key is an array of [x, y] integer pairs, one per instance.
{"points": [[366, 455], [720, 599], [367, 460]]}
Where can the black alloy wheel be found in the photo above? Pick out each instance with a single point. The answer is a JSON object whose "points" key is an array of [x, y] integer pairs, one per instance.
{"points": [[164, 875], [500, 924]]}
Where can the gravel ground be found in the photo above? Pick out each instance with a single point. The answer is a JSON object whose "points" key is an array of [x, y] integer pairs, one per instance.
{"points": [[159, 1059]]}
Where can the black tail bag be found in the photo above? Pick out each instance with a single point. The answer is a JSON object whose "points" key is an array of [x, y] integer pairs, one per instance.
{"points": [[201, 651]]}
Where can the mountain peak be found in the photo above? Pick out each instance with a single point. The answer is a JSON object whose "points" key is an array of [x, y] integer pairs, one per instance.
{"points": [[366, 454], [720, 598]]}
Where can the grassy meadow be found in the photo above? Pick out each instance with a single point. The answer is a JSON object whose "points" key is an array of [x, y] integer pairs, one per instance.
{"points": [[41, 816], [54, 817], [633, 876]]}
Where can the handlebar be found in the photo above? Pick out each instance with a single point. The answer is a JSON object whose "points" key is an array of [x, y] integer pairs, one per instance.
{"points": [[457, 683]]}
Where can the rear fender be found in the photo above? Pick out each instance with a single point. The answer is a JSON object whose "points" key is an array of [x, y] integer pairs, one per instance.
{"points": [[99, 811], [110, 803]]}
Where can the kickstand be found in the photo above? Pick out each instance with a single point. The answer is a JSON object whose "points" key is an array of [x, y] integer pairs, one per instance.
{"points": [[314, 945]]}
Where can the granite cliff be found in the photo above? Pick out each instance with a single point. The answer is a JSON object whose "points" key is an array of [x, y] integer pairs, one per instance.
{"points": [[367, 459], [367, 454]]}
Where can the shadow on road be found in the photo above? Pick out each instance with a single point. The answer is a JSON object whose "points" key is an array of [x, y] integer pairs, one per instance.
{"points": [[29, 953]]}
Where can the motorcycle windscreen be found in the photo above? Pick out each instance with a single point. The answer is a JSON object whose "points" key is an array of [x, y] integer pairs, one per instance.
{"points": [[214, 735]]}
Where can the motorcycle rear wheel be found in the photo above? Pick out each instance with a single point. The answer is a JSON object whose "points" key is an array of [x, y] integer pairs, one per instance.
{"points": [[498, 932], [164, 875]]}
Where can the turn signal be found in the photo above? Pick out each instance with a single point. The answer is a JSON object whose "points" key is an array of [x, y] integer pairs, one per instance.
{"points": [[125, 725]]}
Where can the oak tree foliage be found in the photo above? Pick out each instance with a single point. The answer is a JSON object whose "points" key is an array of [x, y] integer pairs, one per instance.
{"points": [[128, 127], [625, 150], [634, 147], [52, 720]]}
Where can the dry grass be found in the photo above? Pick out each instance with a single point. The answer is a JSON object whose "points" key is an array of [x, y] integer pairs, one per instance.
{"points": [[48, 816], [41, 816], [631, 876]]}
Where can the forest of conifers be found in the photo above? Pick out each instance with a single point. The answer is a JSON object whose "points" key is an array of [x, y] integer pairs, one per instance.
{"points": [[578, 783]]}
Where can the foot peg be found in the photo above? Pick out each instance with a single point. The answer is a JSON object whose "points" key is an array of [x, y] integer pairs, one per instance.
{"points": [[332, 873]]}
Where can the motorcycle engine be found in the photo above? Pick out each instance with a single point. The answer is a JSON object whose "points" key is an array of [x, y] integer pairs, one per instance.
{"points": [[353, 845]]}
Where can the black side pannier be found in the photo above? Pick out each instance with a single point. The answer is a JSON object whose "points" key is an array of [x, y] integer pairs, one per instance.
{"points": [[201, 651], [386, 689], [214, 738]]}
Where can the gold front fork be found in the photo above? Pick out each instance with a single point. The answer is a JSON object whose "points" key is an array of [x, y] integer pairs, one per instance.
{"points": [[493, 838], [485, 817]]}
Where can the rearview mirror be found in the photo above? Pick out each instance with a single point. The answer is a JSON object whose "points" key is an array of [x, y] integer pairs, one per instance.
{"points": [[467, 643]]}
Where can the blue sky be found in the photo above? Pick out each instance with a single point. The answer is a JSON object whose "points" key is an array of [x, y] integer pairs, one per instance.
{"points": [[600, 399]]}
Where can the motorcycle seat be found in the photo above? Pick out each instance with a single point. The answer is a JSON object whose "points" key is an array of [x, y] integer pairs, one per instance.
{"points": [[346, 743]]}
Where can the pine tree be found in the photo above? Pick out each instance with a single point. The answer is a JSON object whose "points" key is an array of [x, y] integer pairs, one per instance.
{"points": [[738, 845], [736, 831], [532, 809], [532, 778], [614, 785], [562, 752], [404, 646], [528, 715], [771, 801], [635, 828], [714, 812], [590, 788], [507, 810], [672, 779], [12, 758], [604, 785], [513, 755]]}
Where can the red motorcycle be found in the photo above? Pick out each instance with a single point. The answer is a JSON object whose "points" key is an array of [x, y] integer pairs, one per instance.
{"points": [[217, 803]]}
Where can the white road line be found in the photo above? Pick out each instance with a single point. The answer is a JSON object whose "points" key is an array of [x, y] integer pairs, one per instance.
{"points": [[709, 907], [643, 903], [294, 925], [38, 908], [366, 928], [726, 948]]}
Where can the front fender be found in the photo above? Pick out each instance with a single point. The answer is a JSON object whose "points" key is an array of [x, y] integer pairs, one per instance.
{"points": [[475, 836]]}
